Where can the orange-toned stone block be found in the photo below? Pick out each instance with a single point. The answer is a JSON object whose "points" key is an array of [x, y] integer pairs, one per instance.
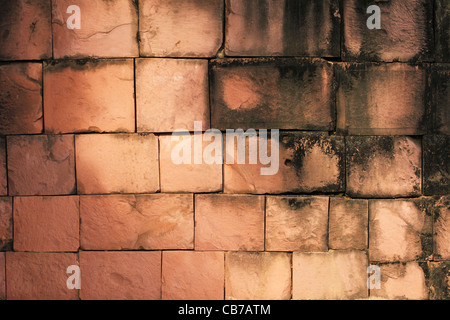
{"points": [[6, 224], [41, 165], [348, 224], [336, 275], [386, 99], [229, 222], [257, 276], [46, 224], [3, 174], [117, 163], [190, 176], [25, 30], [192, 275], [39, 276], [400, 230], [120, 222], [21, 98], [171, 94], [120, 275], [283, 28], [296, 223], [92, 96], [442, 229], [107, 29], [2, 276], [190, 28], [383, 166]]}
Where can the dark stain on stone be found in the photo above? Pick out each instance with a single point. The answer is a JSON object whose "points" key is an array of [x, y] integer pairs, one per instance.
{"points": [[360, 149], [436, 166], [256, 16], [297, 203], [438, 280]]}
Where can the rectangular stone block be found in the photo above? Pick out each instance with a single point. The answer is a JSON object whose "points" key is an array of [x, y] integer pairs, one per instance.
{"points": [[107, 29], [257, 276], [3, 171], [386, 99], [439, 280], [41, 165], [441, 29], [137, 222], [440, 95], [436, 165], [89, 96], [441, 229], [272, 94], [6, 224], [296, 223], [21, 98], [117, 163], [383, 166], [282, 28], [229, 222], [120, 275]]}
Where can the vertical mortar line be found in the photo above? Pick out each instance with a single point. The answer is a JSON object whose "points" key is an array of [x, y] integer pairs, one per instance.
{"points": [[292, 275], [51, 25], [224, 274], [161, 276], [138, 36], [5, 145], [368, 239], [193, 218], [42, 97], [422, 166], [159, 162], [6, 282], [328, 223], [265, 218], [341, 27], [75, 164], [135, 95]]}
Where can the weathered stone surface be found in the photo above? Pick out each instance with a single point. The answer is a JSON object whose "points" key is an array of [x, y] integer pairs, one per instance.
{"points": [[272, 94], [436, 165], [383, 166], [190, 177], [192, 275], [442, 229], [406, 32], [117, 163], [381, 99], [229, 222], [330, 275], [441, 28], [282, 28], [2, 276], [121, 222], [257, 276], [108, 29], [120, 275], [440, 91], [25, 30], [439, 280], [297, 223], [39, 276], [46, 224], [401, 281], [400, 230], [308, 162], [41, 165], [6, 224], [92, 96], [171, 94], [190, 28], [348, 223], [20, 98], [3, 174]]}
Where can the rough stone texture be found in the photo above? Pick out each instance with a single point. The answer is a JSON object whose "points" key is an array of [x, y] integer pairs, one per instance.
{"points": [[272, 94], [406, 32], [108, 29], [3, 174], [282, 28], [189, 177], [436, 165], [6, 224], [117, 163], [89, 96], [39, 276], [190, 28], [191, 275], [401, 281], [257, 276], [41, 165], [330, 275], [120, 222], [297, 223], [442, 229], [25, 29], [440, 91], [229, 222], [439, 280], [120, 275], [441, 28], [400, 230], [20, 98], [308, 162], [2, 276], [46, 224], [381, 99], [348, 224], [380, 166], [171, 94]]}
